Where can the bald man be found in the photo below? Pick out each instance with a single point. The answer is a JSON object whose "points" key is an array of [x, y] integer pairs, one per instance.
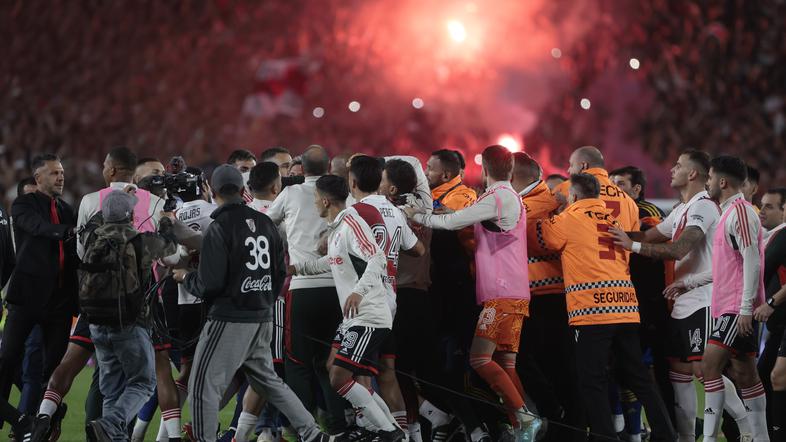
{"points": [[589, 159]]}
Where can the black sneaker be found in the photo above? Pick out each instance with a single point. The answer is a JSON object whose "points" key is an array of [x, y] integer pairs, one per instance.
{"points": [[356, 434], [41, 428], [96, 433], [324, 437], [22, 429], [446, 432], [396, 435]]}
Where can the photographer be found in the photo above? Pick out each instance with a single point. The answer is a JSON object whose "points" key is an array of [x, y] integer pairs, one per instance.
{"points": [[113, 290]]}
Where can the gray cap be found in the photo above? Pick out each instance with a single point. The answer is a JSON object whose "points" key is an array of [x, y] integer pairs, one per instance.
{"points": [[118, 206], [225, 175]]}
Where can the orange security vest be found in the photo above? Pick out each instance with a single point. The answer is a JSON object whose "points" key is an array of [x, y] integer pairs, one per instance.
{"points": [[597, 279], [622, 206], [545, 268]]}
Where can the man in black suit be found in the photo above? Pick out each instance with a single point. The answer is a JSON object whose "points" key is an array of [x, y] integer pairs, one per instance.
{"points": [[43, 286]]}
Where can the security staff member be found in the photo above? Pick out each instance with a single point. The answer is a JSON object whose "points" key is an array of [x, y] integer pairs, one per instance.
{"points": [[602, 306], [241, 288], [589, 160], [545, 361]]}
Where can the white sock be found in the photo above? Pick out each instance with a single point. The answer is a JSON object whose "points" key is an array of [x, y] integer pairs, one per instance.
{"points": [[713, 407], [685, 405], [436, 416], [477, 434], [360, 397], [171, 420], [619, 422], [162, 436], [383, 406], [140, 428], [756, 403], [245, 423], [362, 422], [733, 404], [50, 403], [401, 420], [415, 434]]}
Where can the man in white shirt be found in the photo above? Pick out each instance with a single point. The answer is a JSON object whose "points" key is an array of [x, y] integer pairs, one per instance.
{"points": [[392, 234], [280, 156], [313, 311], [264, 182], [690, 227], [119, 168], [359, 267]]}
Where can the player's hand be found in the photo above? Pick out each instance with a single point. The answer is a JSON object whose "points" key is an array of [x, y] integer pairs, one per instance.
{"points": [[170, 215], [179, 275], [130, 189], [291, 270], [351, 306], [674, 290], [621, 238], [442, 210], [562, 200], [410, 211], [745, 325], [763, 312]]}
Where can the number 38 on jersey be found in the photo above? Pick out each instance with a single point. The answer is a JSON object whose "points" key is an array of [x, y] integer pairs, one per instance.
{"points": [[259, 250]]}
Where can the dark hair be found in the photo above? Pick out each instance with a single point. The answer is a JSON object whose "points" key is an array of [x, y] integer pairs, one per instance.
{"points": [[779, 191], [123, 158], [753, 174], [462, 163], [402, 175], [585, 185], [313, 164], [367, 172], [262, 176], [731, 167], [240, 155], [450, 160], [20, 187], [556, 176], [636, 177], [40, 160], [700, 158], [271, 152], [525, 166], [144, 160], [498, 162], [333, 187]]}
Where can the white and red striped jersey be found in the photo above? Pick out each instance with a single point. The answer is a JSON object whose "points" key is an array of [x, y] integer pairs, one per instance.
{"points": [[358, 265]]}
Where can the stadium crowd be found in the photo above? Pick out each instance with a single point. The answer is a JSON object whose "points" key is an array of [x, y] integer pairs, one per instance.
{"points": [[391, 302]]}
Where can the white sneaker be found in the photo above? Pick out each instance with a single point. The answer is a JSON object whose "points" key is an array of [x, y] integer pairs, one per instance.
{"points": [[266, 435], [746, 437]]}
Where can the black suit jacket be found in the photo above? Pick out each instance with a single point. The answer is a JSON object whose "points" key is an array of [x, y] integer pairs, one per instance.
{"points": [[36, 279], [6, 249]]}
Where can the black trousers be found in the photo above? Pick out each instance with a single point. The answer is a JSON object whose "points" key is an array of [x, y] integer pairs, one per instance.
{"points": [[595, 344], [312, 317], [547, 366], [766, 363], [55, 328], [419, 353]]}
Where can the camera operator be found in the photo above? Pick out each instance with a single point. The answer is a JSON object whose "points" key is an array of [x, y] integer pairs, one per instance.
{"points": [[43, 285], [195, 213], [119, 168]]}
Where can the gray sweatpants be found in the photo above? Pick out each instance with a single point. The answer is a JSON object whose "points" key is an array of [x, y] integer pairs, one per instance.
{"points": [[225, 347]]}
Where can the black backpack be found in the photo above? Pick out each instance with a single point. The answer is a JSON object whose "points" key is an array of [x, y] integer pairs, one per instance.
{"points": [[111, 288]]}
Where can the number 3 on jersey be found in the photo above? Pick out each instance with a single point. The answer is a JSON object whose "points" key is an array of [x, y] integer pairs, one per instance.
{"points": [[259, 251]]}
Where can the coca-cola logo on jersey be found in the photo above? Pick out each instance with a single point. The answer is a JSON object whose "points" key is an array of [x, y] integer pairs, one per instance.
{"points": [[256, 285]]}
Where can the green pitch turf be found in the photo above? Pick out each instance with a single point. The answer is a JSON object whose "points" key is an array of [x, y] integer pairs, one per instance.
{"points": [[74, 423]]}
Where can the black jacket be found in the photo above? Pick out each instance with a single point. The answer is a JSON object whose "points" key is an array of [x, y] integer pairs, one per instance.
{"points": [[36, 280], [6, 249], [241, 265]]}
